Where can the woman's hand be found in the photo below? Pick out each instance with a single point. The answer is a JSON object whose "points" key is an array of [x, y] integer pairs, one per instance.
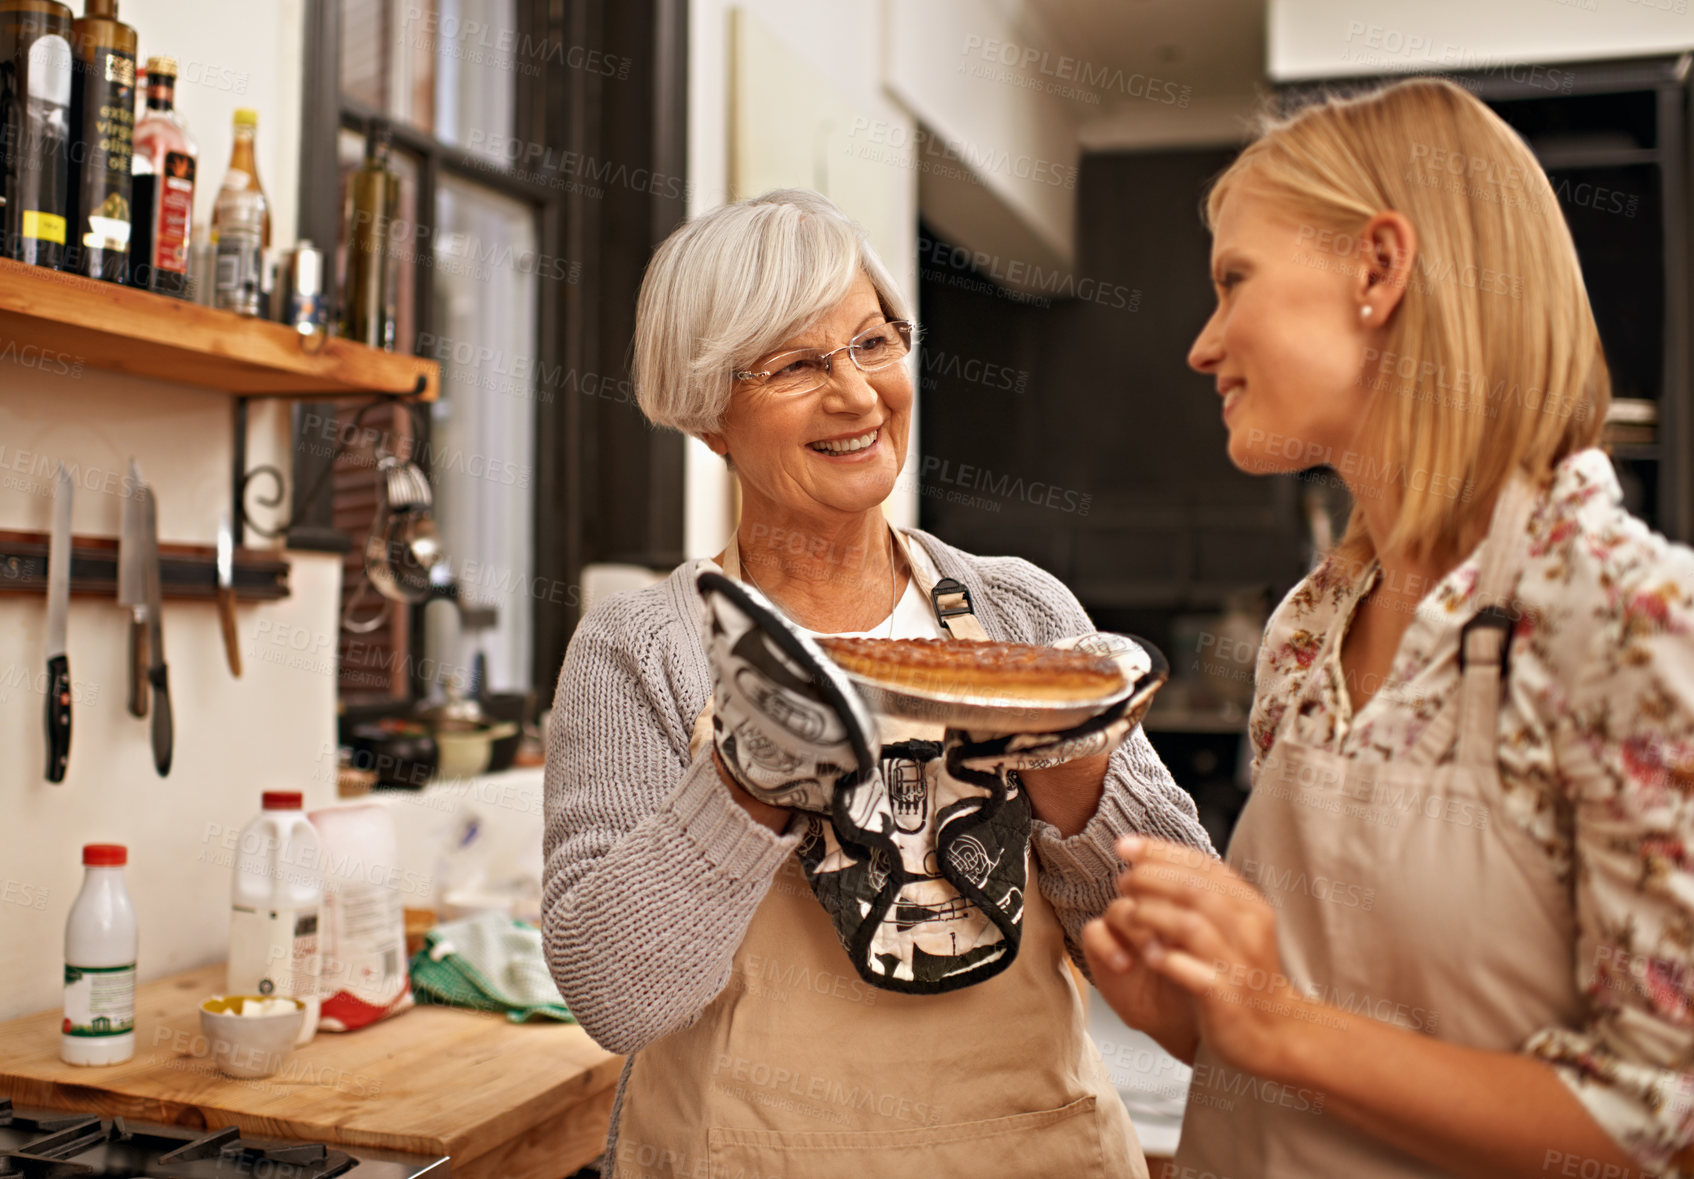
{"points": [[1143, 998], [1196, 923]]}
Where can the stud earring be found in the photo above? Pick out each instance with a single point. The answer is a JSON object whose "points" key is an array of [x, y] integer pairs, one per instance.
{"points": [[1366, 311]]}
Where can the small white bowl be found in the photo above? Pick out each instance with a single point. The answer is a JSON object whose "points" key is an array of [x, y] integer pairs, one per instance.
{"points": [[249, 1046]]}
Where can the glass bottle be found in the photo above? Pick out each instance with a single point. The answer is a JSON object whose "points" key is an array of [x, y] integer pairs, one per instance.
{"points": [[35, 124], [241, 224], [372, 263], [165, 162], [102, 134], [100, 950]]}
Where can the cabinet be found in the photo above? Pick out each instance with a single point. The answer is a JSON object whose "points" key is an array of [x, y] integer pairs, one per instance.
{"points": [[1614, 138]]}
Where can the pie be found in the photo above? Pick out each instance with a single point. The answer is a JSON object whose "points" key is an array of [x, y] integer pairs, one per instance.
{"points": [[1006, 671]]}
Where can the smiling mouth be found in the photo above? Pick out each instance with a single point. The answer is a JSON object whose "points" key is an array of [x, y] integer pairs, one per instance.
{"points": [[848, 445], [1234, 395]]}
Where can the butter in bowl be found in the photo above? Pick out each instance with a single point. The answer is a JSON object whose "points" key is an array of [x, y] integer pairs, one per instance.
{"points": [[251, 1035]]}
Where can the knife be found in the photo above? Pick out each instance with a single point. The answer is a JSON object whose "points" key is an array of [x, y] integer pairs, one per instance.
{"points": [[132, 590], [226, 594], [58, 606], [156, 637]]}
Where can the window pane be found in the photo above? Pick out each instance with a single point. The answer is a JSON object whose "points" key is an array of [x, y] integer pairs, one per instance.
{"points": [[482, 446], [448, 67]]}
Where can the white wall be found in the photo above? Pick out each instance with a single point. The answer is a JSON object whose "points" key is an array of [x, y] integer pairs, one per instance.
{"points": [[273, 728], [959, 66], [841, 40], [228, 61], [1333, 38]]}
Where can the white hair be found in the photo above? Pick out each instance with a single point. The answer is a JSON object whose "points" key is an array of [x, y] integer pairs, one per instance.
{"points": [[733, 284]]}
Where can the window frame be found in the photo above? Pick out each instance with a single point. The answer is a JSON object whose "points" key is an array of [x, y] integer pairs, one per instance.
{"points": [[327, 111], [582, 454]]}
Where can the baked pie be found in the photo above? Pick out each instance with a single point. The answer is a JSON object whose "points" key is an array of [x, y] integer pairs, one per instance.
{"points": [[1001, 671]]}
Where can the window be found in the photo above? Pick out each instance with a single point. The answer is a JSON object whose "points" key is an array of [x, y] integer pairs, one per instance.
{"points": [[448, 80]]}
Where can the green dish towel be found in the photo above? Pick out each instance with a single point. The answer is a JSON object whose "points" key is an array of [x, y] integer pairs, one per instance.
{"points": [[490, 962]]}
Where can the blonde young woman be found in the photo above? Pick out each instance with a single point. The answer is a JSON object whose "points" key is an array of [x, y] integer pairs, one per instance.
{"points": [[1454, 934]]}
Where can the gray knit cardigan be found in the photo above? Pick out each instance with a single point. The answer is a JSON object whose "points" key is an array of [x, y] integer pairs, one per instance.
{"points": [[653, 871]]}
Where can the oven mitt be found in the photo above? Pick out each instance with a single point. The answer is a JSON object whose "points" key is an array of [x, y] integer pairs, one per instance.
{"points": [[1143, 666], [921, 873], [788, 726]]}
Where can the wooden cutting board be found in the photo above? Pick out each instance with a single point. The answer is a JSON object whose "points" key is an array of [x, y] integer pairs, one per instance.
{"points": [[502, 1100]]}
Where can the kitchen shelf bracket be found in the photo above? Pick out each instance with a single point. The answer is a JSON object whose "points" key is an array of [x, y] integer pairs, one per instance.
{"points": [[242, 476]]}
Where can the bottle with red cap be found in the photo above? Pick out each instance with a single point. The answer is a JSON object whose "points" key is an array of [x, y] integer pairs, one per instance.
{"points": [[275, 904], [100, 948]]}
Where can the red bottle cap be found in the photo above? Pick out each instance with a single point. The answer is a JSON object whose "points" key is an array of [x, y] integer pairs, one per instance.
{"points": [[104, 855], [283, 800]]}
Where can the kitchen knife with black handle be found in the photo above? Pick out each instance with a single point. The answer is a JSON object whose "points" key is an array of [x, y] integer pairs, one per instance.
{"points": [[58, 607], [132, 589], [156, 675]]}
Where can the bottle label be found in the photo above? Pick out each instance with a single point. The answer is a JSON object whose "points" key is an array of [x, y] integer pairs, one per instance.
{"points": [[47, 227], [107, 134], [274, 952], [240, 257], [99, 1001], [176, 213]]}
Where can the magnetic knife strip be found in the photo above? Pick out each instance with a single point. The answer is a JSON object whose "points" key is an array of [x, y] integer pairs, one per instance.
{"points": [[185, 571]]}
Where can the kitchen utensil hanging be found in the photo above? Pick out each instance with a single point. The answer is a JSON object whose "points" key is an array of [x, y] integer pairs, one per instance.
{"points": [[403, 550]]}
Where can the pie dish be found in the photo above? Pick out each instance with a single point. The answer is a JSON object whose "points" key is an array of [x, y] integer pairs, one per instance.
{"points": [[1010, 671], [993, 686]]}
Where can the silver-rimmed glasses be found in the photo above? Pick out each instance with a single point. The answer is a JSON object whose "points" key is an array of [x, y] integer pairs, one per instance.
{"points": [[804, 370]]}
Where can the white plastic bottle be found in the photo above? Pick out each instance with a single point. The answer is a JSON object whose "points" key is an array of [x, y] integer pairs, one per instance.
{"points": [[276, 904], [100, 949]]}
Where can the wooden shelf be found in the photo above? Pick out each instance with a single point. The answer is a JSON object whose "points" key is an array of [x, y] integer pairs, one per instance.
{"points": [[106, 326]]}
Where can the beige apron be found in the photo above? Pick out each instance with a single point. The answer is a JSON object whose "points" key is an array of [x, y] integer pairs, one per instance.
{"points": [[801, 1070], [1404, 892]]}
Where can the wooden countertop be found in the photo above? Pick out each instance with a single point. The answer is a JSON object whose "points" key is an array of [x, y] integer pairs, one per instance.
{"points": [[503, 1100]]}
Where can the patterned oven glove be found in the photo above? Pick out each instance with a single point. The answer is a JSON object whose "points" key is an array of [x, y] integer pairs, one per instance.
{"points": [[1144, 667], [786, 723]]}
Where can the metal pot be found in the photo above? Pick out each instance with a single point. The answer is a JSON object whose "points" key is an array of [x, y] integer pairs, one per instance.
{"points": [[466, 746]]}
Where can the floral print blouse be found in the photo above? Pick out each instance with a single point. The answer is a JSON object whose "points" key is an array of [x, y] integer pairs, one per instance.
{"points": [[1601, 675]]}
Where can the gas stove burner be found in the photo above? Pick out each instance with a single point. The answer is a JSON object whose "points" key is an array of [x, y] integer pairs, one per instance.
{"points": [[55, 1145]]}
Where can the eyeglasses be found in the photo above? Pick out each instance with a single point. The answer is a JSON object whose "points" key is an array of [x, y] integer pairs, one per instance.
{"points": [[803, 370]]}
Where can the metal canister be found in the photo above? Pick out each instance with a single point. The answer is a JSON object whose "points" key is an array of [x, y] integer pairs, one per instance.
{"points": [[299, 294]]}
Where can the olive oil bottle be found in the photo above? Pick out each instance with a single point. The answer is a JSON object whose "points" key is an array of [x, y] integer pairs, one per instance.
{"points": [[102, 137], [35, 99]]}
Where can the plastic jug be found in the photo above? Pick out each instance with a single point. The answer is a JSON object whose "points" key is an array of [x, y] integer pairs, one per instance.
{"points": [[276, 904]]}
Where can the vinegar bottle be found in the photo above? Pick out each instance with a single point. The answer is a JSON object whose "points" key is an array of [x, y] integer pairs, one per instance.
{"points": [[100, 949], [241, 224], [165, 162]]}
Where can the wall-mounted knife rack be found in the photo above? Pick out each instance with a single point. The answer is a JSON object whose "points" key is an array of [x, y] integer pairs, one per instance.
{"points": [[185, 570]]}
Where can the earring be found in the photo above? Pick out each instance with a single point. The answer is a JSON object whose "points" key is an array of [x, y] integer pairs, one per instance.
{"points": [[1366, 311]]}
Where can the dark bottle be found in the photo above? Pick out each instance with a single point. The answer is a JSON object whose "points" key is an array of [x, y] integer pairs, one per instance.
{"points": [[102, 132], [372, 263], [165, 159], [35, 121]]}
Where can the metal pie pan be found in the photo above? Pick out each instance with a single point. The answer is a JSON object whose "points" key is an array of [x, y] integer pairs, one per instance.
{"points": [[990, 714]]}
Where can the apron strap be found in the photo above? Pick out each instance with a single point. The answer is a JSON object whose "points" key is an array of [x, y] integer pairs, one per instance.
{"points": [[950, 599], [1485, 638]]}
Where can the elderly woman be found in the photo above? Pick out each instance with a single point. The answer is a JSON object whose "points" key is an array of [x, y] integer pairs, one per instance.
{"points": [[1455, 933], [817, 969]]}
